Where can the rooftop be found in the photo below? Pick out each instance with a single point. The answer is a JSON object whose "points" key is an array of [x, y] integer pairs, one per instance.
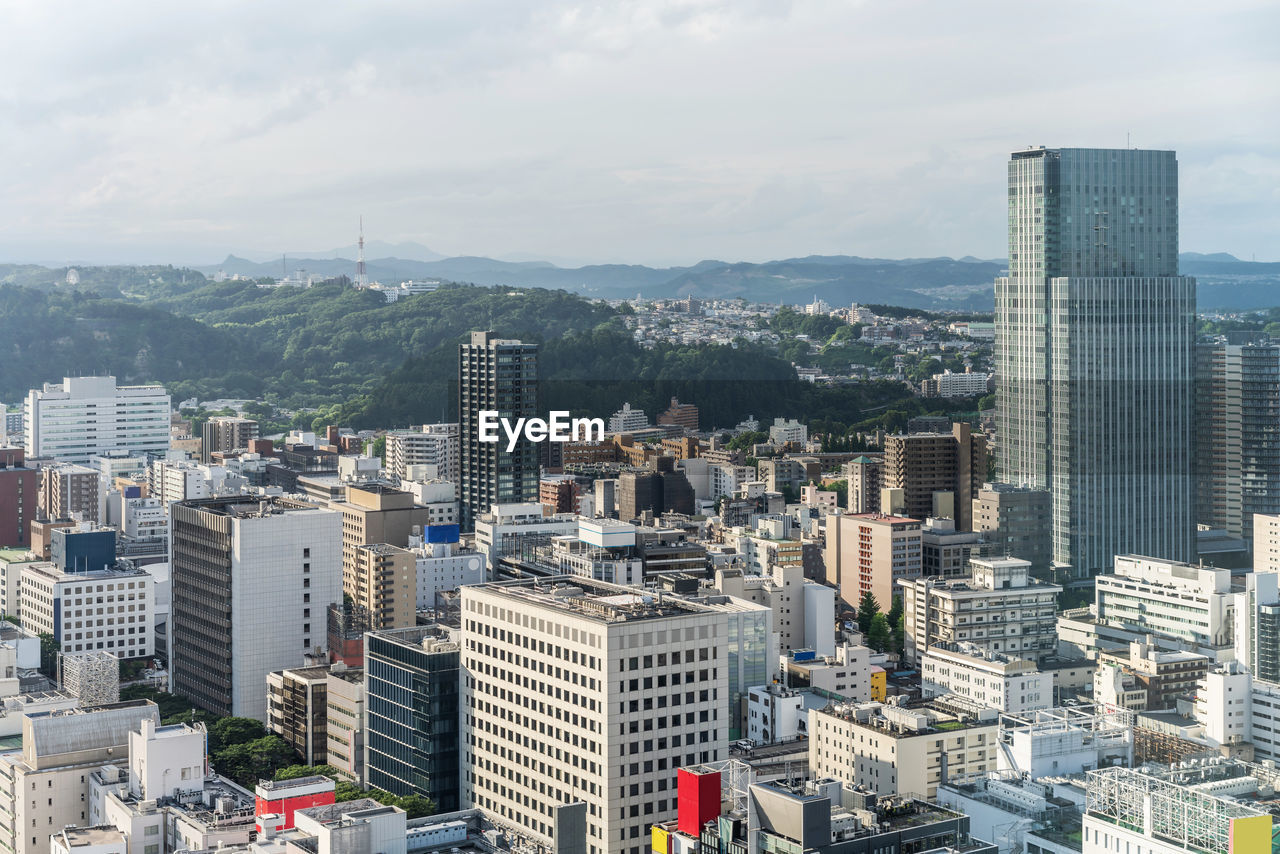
{"points": [[598, 600]]}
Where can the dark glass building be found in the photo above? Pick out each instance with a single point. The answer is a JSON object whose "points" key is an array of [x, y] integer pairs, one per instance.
{"points": [[411, 696]]}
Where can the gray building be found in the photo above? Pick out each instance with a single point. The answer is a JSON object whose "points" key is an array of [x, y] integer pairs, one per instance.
{"points": [[502, 376], [1014, 522], [1237, 433], [226, 433], [1095, 349]]}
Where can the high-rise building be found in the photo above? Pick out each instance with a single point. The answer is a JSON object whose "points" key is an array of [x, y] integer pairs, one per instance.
{"points": [[82, 417], [630, 686], [226, 433], [65, 604], [501, 376], [865, 476], [1237, 434], [684, 415], [69, 491], [412, 743], [1095, 351], [938, 473], [627, 419], [251, 582]]}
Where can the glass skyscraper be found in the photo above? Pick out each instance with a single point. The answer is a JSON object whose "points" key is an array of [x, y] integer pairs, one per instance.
{"points": [[1095, 353]]}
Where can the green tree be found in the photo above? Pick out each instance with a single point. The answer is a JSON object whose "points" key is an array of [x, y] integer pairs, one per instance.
{"points": [[878, 636], [49, 656], [378, 448], [227, 732], [254, 760], [867, 609], [897, 622], [744, 441]]}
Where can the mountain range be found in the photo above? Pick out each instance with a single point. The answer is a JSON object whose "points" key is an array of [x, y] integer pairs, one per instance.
{"points": [[927, 283]]}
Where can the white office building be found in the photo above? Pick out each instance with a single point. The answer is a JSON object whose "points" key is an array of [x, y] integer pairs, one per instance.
{"points": [[110, 610], [990, 680], [84, 417], [784, 431], [629, 687], [508, 528]]}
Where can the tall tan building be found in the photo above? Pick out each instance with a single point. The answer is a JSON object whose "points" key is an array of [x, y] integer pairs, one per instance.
{"points": [[69, 491], [865, 476], [384, 580], [925, 464], [375, 513], [869, 553]]}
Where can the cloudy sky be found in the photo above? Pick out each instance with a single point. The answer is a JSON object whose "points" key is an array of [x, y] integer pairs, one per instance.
{"points": [[640, 132]]}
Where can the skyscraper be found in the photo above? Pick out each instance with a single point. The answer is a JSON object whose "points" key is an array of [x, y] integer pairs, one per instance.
{"points": [[501, 376], [1237, 432], [1095, 353]]}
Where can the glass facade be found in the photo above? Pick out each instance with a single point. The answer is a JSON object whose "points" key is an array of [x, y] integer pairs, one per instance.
{"points": [[1095, 351], [411, 685]]}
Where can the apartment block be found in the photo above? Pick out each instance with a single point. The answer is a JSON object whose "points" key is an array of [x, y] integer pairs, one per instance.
{"points": [[926, 466], [19, 498], [69, 491], [999, 608], [432, 452], [345, 729], [225, 433], [297, 710], [871, 553]]}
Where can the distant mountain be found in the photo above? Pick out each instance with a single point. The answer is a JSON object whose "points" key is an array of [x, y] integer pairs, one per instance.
{"points": [[927, 283]]}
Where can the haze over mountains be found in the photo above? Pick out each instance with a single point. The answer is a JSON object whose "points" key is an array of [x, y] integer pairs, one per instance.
{"points": [[927, 283]]}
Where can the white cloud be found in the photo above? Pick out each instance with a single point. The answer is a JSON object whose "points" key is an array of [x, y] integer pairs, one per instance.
{"points": [[650, 132]]}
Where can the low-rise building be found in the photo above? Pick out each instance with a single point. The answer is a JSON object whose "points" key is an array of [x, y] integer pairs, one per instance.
{"points": [[107, 610], [896, 749], [991, 680]]}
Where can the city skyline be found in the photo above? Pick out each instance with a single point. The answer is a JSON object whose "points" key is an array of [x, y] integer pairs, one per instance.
{"points": [[575, 135]]}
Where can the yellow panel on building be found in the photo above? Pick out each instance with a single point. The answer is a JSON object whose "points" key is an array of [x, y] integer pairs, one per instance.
{"points": [[660, 840], [1251, 835], [879, 684]]}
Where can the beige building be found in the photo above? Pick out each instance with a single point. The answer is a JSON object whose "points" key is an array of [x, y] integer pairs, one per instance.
{"points": [[69, 491], [226, 433], [993, 681], [627, 687], [346, 728], [384, 579], [896, 750], [999, 608], [865, 476], [376, 513], [871, 553], [44, 786]]}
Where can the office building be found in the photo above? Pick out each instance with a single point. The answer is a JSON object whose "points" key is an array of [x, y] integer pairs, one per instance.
{"points": [[938, 473], [1256, 612], [430, 452], [870, 553], [110, 610], [898, 750], [377, 571], [865, 476], [60, 749], [630, 687], [509, 530], [1146, 679], [788, 432], [1015, 522], [297, 710], [345, 727], [848, 673], [501, 376], [383, 580], [999, 608], [19, 498], [946, 551], [225, 433], [988, 679], [84, 417], [69, 491], [1095, 351], [251, 582], [1237, 433], [1065, 740], [412, 737], [1180, 606]]}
